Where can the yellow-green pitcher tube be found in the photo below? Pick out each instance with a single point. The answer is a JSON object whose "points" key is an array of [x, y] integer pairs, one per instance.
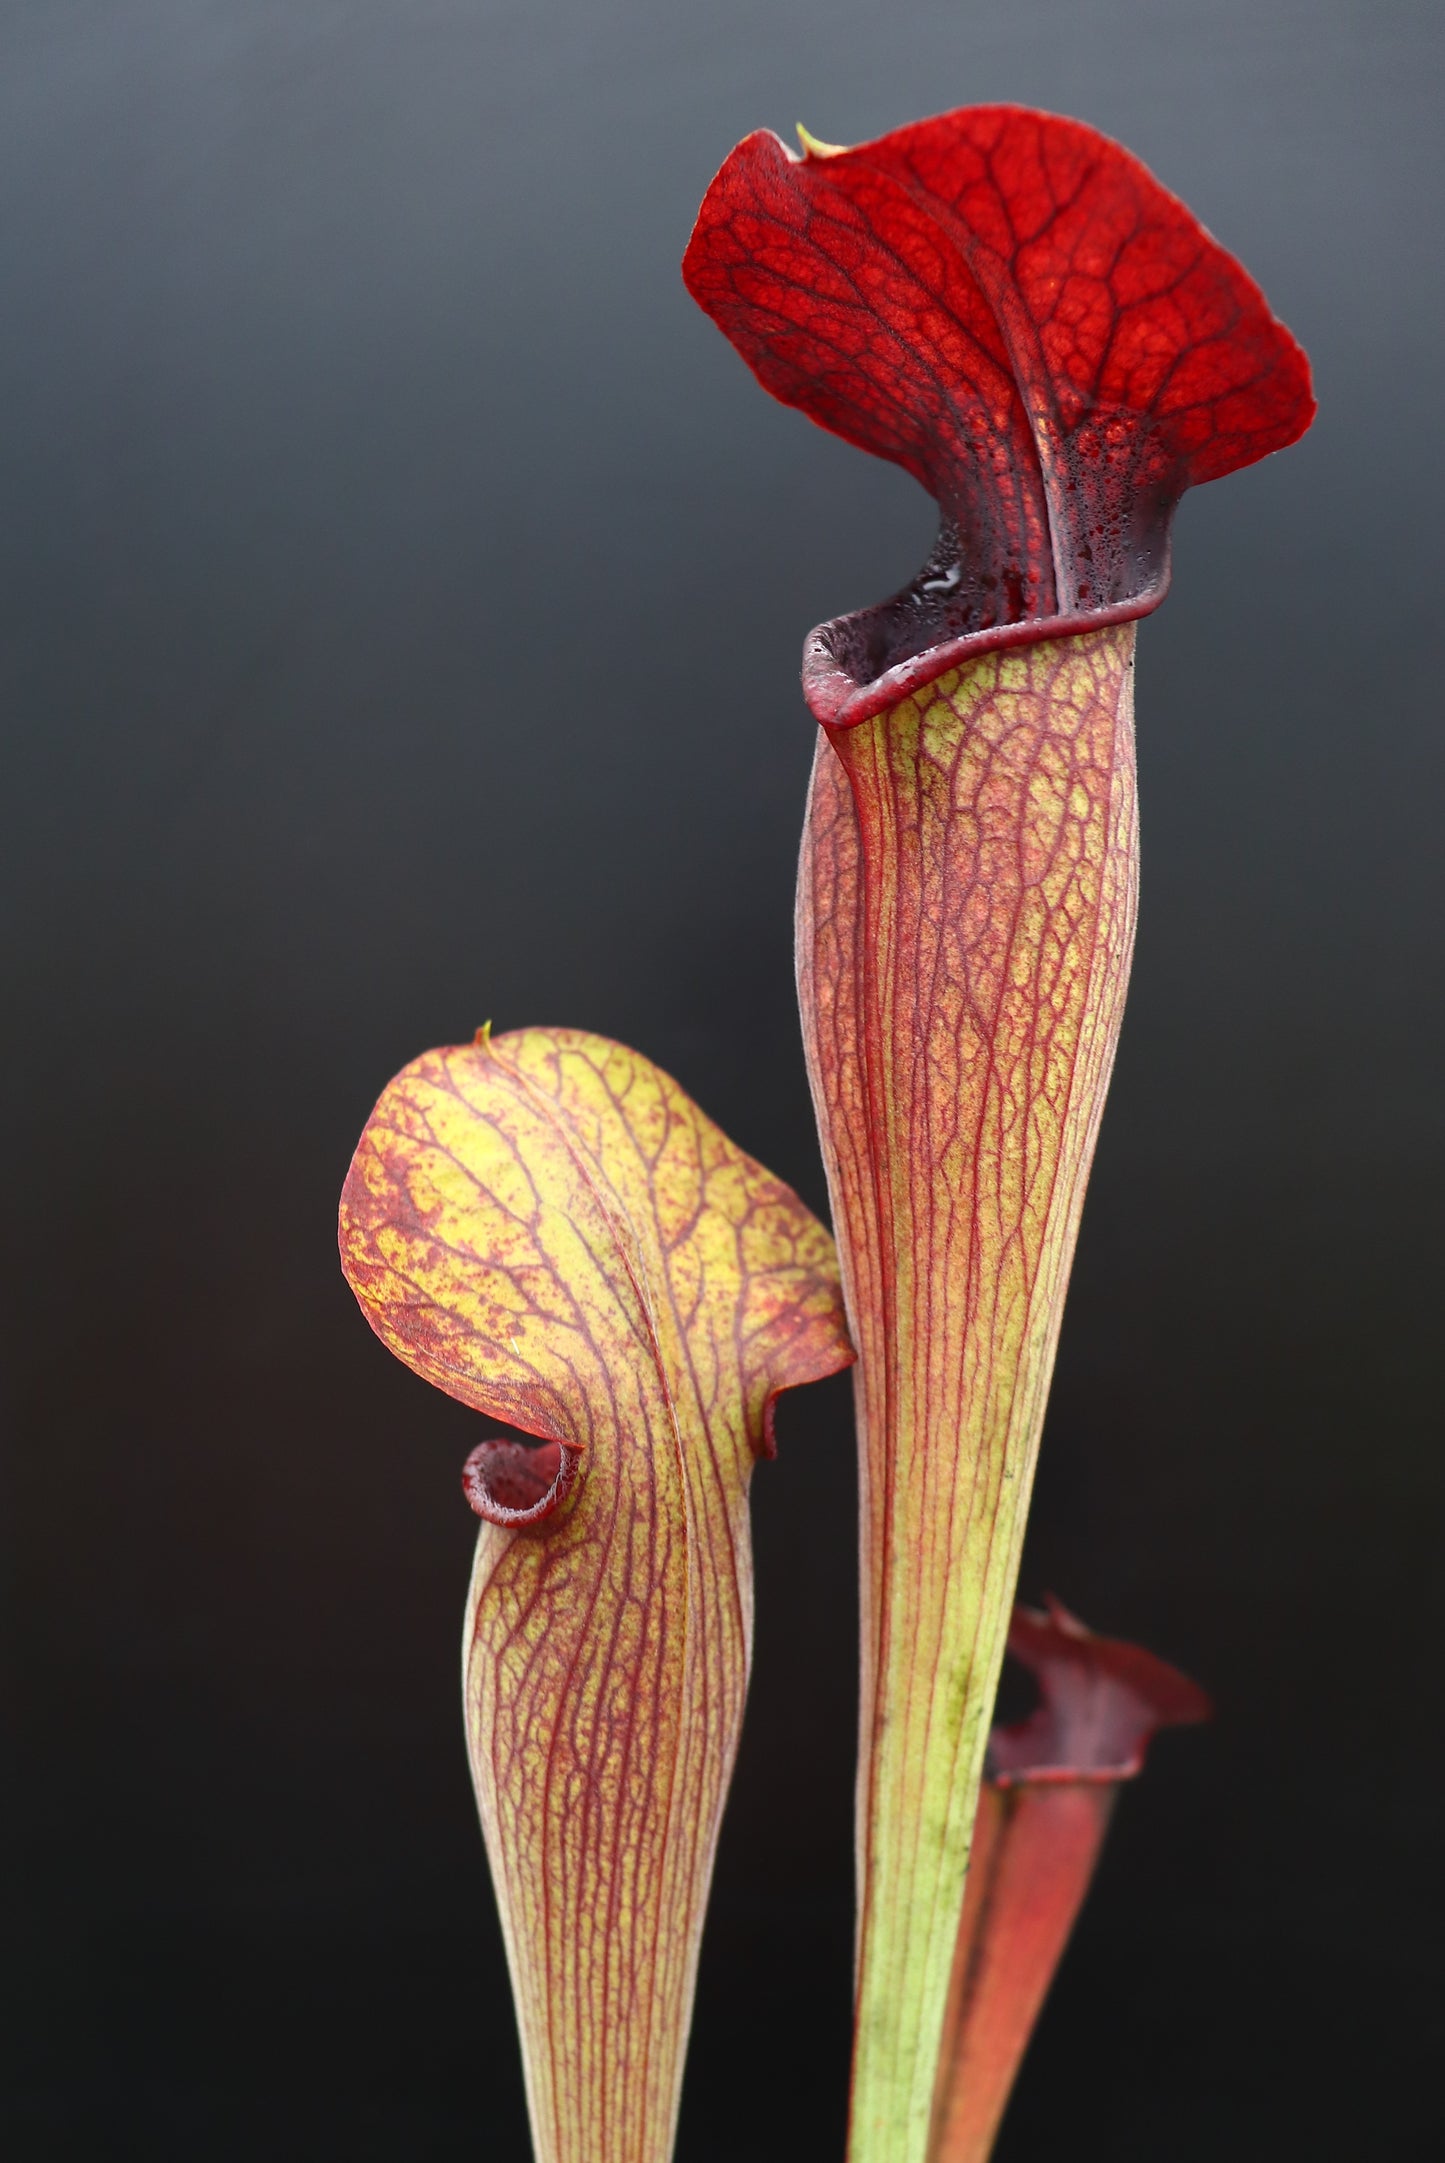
{"points": [[965, 926]]}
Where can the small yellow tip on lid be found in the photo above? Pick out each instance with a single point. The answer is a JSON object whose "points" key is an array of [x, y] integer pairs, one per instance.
{"points": [[812, 148]]}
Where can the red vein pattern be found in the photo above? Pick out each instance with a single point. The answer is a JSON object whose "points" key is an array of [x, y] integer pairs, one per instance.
{"points": [[1043, 1813], [965, 924], [544, 1225], [1011, 307]]}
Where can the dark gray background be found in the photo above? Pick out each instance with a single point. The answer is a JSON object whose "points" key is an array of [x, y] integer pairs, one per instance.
{"points": [[403, 589]]}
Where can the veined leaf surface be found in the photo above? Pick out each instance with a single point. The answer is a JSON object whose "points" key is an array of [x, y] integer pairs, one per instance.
{"points": [[1012, 308], [1044, 1810], [966, 910], [548, 1228]]}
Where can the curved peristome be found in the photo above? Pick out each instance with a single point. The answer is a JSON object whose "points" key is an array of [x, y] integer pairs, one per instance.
{"points": [[1011, 307], [512, 1483]]}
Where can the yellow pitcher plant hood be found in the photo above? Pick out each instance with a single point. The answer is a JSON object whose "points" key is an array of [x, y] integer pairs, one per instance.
{"points": [[544, 1225]]}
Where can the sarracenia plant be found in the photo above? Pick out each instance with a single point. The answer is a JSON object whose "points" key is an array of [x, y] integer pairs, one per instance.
{"points": [[543, 1225], [1012, 308], [546, 1227], [1048, 1794]]}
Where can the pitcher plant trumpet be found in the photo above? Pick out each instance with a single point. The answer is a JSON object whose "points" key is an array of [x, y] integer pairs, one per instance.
{"points": [[1012, 308], [547, 1228], [1049, 1789]]}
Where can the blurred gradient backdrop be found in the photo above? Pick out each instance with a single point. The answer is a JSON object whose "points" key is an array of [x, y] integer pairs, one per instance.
{"points": [[403, 590]]}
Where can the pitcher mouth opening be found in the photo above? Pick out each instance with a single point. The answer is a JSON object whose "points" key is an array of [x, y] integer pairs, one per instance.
{"points": [[858, 665], [515, 1480]]}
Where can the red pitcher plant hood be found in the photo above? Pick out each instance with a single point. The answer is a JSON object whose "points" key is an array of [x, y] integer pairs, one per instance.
{"points": [[1044, 1808], [547, 1228], [1012, 308]]}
